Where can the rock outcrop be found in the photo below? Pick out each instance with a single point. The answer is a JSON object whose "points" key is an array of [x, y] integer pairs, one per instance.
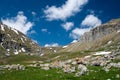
{"points": [[97, 37], [14, 42], [98, 32]]}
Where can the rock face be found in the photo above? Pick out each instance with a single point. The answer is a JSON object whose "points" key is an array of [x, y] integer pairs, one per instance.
{"points": [[97, 37], [15, 42], [98, 32]]}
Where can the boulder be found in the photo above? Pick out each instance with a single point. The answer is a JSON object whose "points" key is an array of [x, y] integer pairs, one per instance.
{"points": [[68, 69], [82, 69]]}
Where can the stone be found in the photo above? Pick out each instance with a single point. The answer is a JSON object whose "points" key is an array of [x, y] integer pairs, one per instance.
{"points": [[68, 69], [82, 69], [118, 76], [45, 68]]}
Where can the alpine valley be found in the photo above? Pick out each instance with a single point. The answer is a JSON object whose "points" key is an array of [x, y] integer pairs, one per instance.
{"points": [[95, 56]]}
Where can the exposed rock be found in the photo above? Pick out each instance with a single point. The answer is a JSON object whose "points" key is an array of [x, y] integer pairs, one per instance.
{"points": [[13, 41], [118, 76], [15, 67], [102, 30], [57, 64], [82, 69], [102, 35], [116, 65], [45, 68], [68, 69]]}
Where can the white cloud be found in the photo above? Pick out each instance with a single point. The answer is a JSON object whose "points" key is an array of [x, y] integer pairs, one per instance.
{"points": [[70, 8], [35, 41], [52, 45], [44, 30], [77, 32], [20, 22], [68, 25], [91, 21], [74, 41], [33, 13], [32, 32]]}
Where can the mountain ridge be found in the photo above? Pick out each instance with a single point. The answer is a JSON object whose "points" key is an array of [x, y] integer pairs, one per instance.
{"points": [[96, 37], [13, 41]]}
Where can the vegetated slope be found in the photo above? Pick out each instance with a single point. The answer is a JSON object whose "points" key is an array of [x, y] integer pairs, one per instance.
{"points": [[98, 37], [79, 61], [13, 42]]}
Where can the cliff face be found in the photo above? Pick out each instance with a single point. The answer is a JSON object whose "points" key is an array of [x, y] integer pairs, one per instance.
{"points": [[97, 37], [98, 32], [15, 42]]}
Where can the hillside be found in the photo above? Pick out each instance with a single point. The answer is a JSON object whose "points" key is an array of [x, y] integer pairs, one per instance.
{"points": [[96, 53], [13, 42], [97, 37]]}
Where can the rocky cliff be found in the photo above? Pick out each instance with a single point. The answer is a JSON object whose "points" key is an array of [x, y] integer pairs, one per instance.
{"points": [[15, 42], [98, 32], [97, 37]]}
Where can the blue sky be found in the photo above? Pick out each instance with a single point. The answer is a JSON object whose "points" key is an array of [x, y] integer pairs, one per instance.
{"points": [[57, 22]]}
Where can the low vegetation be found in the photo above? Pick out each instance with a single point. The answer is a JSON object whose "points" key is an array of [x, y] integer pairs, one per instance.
{"points": [[95, 73]]}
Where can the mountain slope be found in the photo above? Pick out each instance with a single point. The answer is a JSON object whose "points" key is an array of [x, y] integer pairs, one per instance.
{"points": [[15, 42], [97, 37]]}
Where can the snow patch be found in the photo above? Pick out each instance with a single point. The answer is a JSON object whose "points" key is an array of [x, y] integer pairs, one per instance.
{"points": [[41, 54], [19, 51], [22, 40], [16, 52], [2, 28], [55, 51], [65, 46], [13, 40], [74, 41], [15, 30], [8, 50], [87, 57], [23, 49], [9, 35], [1, 44], [118, 31], [101, 53], [51, 48], [109, 42]]}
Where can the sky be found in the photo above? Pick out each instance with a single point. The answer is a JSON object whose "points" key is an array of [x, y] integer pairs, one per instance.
{"points": [[57, 22]]}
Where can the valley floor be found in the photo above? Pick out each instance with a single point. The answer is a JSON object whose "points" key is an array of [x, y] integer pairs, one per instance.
{"points": [[30, 73]]}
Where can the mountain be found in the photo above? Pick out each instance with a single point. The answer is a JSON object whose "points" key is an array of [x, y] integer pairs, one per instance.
{"points": [[13, 42], [97, 38]]}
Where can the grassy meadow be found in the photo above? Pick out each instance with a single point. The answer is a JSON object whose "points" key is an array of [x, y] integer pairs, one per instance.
{"points": [[95, 73]]}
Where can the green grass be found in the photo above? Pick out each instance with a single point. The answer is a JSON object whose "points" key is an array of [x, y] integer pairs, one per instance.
{"points": [[66, 55], [116, 60], [56, 74], [20, 59]]}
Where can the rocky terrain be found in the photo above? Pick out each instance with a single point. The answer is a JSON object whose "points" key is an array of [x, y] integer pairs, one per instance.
{"points": [[98, 48], [97, 37], [13, 42]]}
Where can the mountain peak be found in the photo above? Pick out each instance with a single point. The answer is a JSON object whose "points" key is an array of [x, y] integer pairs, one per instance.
{"points": [[13, 41], [97, 37]]}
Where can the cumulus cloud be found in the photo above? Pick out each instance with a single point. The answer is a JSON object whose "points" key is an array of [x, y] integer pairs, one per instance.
{"points": [[44, 30], [74, 41], [77, 32], [52, 45], [20, 22], [91, 21], [35, 41], [31, 32], [70, 8], [68, 25], [33, 13]]}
